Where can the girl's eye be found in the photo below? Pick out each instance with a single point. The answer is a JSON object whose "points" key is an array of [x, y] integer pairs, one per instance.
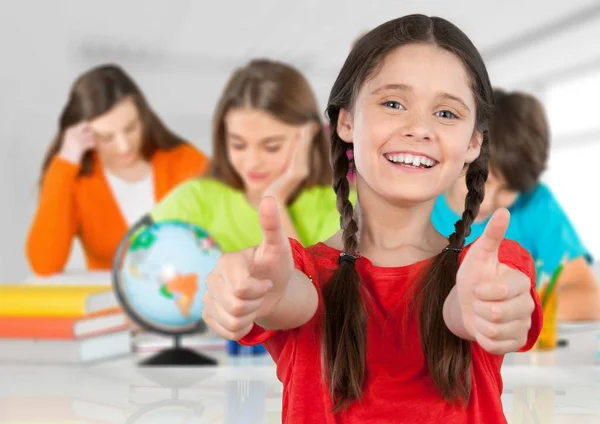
{"points": [[273, 149], [393, 104], [237, 146], [446, 114]]}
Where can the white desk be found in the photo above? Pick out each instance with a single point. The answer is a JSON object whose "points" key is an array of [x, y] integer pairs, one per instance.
{"points": [[556, 387]]}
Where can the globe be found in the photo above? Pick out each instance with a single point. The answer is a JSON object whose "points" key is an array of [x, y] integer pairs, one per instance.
{"points": [[159, 275]]}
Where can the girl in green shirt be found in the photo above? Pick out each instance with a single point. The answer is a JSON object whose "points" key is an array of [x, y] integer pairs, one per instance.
{"points": [[268, 139]]}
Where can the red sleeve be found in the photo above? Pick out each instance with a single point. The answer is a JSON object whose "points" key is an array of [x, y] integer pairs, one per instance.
{"points": [[513, 255], [274, 340]]}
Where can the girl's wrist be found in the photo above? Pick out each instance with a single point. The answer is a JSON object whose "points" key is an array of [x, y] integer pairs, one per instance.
{"points": [[281, 196], [454, 317]]}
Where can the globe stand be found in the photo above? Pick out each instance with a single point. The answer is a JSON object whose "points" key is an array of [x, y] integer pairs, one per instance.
{"points": [[178, 356]]}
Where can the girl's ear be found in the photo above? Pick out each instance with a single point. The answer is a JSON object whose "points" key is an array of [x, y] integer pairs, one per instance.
{"points": [[345, 126], [309, 130], [474, 148], [314, 128]]}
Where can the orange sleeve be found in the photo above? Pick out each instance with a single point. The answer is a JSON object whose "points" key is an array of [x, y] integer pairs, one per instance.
{"points": [[56, 222], [191, 162]]}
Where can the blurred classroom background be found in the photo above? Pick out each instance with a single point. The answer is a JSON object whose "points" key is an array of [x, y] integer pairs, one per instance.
{"points": [[181, 53]]}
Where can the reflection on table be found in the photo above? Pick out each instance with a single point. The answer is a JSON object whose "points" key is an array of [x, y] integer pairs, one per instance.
{"points": [[561, 386]]}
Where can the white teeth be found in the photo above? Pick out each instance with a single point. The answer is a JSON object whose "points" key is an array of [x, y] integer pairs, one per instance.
{"points": [[409, 159]]}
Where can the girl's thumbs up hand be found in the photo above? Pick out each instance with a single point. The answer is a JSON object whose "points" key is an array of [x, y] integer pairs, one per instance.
{"points": [[246, 285]]}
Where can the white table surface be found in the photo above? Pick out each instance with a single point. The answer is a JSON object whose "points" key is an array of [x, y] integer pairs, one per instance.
{"points": [[561, 386]]}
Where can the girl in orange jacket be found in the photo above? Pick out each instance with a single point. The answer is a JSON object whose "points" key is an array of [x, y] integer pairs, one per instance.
{"points": [[110, 162]]}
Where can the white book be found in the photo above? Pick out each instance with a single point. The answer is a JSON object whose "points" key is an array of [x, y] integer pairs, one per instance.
{"points": [[89, 326], [38, 351]]}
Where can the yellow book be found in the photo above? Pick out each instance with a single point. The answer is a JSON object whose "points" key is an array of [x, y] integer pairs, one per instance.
{"points": [[38, 300]]}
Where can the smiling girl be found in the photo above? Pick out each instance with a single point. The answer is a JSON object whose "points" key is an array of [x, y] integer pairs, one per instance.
{"points": [[388, 321]]}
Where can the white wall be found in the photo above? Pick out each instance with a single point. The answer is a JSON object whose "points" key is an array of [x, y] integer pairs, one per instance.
{"points": [[574, 179], [573, 171]]}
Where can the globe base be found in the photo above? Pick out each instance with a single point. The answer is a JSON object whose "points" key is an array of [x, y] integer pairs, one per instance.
{"points": [[178, 357]]}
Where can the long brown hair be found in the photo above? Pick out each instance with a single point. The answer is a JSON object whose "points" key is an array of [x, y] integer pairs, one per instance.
{"points": [[345, 321], [281, 91], [95, 93]]}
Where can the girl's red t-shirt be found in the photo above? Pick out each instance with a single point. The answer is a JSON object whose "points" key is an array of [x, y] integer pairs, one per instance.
{"points": [[398, 387]]}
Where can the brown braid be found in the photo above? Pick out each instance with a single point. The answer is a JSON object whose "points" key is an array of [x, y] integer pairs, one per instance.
{"points": [[345, 324], [476, 177], [448, 356]]}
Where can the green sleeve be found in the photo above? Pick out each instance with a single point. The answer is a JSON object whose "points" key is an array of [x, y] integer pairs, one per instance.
{"points": [[187, 202], [315, 215]]}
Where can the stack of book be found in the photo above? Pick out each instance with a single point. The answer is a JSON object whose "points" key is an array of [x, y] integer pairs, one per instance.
{"points": [[52, 323]]}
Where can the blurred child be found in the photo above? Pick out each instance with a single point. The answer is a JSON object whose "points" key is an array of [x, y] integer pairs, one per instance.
{"points": [[110, 162], [268, 139], [519, 147]]}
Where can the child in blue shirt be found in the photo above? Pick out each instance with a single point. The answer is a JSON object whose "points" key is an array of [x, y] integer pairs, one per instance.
{"points": [[519, 145]]}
